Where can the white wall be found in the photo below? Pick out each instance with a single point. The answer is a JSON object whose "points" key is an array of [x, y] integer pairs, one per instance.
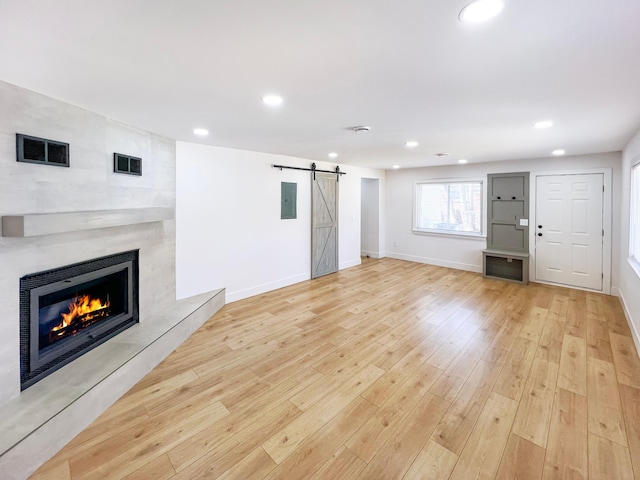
{"points": [[229, 231], [629, 281], [88, 184], [466, 252]]}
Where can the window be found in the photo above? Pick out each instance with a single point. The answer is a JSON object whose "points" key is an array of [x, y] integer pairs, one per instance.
{"points": [[449, 207], [634, 224]]}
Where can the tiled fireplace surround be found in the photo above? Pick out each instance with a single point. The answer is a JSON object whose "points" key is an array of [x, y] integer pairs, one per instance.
{"points": [[41, 419]]}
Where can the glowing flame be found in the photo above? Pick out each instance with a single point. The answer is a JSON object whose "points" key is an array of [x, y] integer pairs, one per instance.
{"points": [[81, 306]]}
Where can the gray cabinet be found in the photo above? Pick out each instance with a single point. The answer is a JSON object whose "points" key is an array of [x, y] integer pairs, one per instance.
{"points": [[508, 212], [507, 250]]}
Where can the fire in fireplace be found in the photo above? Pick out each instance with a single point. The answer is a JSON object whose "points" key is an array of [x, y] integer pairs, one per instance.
{"points": [[82, 312], [67, 311]]}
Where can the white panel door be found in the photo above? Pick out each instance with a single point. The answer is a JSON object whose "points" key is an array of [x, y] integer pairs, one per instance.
{"points": [[568, 229]]}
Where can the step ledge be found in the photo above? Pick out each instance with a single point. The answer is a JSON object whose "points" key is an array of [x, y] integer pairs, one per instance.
{"points": [[49, 414]]}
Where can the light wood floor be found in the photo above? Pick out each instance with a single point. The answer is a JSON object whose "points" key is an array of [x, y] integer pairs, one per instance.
{"points": [[390, 370]]}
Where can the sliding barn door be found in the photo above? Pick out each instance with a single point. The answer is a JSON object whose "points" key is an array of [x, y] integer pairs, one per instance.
{"points": [[324, 224]]}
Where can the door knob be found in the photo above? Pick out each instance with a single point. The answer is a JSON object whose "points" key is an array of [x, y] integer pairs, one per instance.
{"points": [[513, 198], [539, 234]]}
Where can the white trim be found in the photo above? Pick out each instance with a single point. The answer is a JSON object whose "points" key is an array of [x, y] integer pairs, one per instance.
{"points": [[483, 206], [449, 233], [634, 203], [475, 178], [266, 287], [371, 254], [634, 264], [606, 221], [350, 263], [632, 325], [437, 262], [564, 285], [280, 283]]}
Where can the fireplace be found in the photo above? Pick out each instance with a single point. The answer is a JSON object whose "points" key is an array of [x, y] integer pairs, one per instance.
{"points": [[67, 311]]}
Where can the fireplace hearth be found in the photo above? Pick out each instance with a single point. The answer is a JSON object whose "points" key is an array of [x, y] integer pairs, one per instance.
{"points": [[68, 311]]}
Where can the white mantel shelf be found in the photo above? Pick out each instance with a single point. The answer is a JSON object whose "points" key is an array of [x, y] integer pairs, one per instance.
{"points": [[38, 224]]}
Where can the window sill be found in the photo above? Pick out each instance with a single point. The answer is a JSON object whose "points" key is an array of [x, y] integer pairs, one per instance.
{"points": [[435, 233]]}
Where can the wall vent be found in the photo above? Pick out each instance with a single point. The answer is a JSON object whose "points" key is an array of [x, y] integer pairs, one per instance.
{"points": [[127, 164], [40, 150]]}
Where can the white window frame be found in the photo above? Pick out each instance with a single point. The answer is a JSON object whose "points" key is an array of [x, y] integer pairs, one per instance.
{"points": [[453, 233], [634, 217]]}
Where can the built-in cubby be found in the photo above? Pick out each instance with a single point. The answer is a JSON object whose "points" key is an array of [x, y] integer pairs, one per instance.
{"points": [[507, 253], [505, 265]]}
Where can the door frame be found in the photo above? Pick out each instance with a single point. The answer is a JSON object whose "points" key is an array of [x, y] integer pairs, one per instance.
{"points": [[607, 214]]}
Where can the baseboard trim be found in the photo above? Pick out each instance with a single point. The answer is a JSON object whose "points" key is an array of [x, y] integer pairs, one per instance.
{"points": [[371, 254], [634, 331], [350, 263], [436, 262], [280, 283], [266, 287]]}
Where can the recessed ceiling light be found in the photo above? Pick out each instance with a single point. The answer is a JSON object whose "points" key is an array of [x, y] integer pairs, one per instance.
{"points": [[272, 100], [333, 155], [201, 132], [395, 167], [411, 144], [543, 124], [462, 160], [442, 154], [480, 10], [558, 152]]}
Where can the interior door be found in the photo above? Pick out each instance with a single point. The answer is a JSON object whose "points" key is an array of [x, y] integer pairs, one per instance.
{"points": [[324, 224], [568, 230]]}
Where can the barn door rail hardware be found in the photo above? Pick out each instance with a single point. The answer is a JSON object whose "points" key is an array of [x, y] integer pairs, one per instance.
{"points": [[314, 170]]}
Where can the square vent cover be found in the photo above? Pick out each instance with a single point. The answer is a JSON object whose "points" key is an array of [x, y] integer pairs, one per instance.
{"points": [[40, 150], [127, 164]]}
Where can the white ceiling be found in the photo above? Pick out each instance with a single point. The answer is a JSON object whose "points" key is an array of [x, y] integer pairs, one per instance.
{"points": [[408, 69]]}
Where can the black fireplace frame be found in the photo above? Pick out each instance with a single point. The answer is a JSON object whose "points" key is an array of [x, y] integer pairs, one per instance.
{"points": [[34, 367]]}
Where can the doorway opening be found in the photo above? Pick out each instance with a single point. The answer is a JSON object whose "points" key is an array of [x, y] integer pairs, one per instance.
{"points": [[370, 218]]}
